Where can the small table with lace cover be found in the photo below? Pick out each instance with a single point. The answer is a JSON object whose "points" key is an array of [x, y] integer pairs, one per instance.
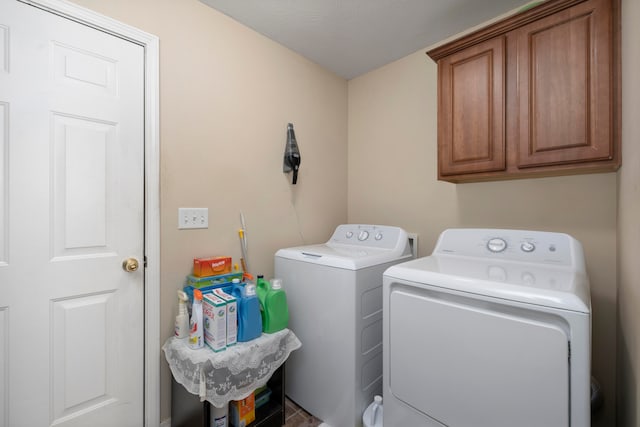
{"points": [[233, 374]]}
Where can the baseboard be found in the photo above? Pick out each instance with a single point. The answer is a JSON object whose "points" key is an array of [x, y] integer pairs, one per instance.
{"points": [[166, 423]]}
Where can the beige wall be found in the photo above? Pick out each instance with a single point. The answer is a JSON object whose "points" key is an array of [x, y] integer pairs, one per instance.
{"points": [[226, 96], [392, 180], [629, 222]]}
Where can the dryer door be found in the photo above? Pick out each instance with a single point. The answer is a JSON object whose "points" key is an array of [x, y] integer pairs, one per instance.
{"points": [[466, 362]]}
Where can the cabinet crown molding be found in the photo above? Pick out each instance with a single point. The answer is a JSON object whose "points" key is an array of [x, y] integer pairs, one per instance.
{"points": [[501, 27]]}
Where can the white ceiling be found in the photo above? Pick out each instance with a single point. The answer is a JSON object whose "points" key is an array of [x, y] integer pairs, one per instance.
{"points": [[351, 37]]}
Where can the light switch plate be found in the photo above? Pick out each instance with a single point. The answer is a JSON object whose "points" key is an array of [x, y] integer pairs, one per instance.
{"points": [[193, 218]]}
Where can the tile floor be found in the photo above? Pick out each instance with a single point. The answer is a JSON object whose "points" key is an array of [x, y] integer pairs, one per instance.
{"points": [[298, 417]]}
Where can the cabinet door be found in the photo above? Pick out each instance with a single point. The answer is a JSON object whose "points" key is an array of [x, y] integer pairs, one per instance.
{"points": [[565, 87], [471, 122]]}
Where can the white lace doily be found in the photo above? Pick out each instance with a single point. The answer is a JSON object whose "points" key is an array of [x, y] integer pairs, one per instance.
{"points": [[231, 374]]}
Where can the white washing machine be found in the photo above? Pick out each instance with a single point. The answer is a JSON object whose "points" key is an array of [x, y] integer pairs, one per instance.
{"points": [[491, 330], [334, 294]]}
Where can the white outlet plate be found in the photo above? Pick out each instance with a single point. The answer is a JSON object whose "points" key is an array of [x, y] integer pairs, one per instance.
{"points": [[193, 218]]}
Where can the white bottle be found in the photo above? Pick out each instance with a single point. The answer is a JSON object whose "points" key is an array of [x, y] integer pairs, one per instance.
{"points": [[196, 338], [372, 416], [219, 417], [182, 319]]}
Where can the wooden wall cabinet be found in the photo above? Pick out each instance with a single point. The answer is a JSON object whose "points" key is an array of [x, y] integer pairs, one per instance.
{"points": [[536, 94]]}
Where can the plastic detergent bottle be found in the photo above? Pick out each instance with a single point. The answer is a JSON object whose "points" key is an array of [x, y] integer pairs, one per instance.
{"points": [[182, 319], [275, 313], [249, 318], [262, 287], [372, 416], [219, 417], [196, 339]]}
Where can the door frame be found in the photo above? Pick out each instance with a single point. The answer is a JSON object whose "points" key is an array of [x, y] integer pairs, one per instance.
{"points": [[150, 43]]}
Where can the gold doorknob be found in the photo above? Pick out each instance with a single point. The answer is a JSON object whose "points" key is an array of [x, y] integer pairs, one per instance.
{"points": [[130, 265]]}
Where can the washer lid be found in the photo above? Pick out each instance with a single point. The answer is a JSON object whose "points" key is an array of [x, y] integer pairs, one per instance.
{"points": [[529, 283], [341, 256]]}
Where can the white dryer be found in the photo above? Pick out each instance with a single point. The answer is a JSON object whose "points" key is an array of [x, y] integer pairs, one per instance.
{"points": [[491, 330], [334, 294]]}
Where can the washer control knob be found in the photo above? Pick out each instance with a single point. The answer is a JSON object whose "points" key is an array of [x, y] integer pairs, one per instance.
{"points": [[379, 236], [527, 247], [349, 234], [363, 235], [496, 245]]}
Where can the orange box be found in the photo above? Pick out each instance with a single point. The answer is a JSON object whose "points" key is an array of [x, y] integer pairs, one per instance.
{"points": [[203, 267], [243, 412]]}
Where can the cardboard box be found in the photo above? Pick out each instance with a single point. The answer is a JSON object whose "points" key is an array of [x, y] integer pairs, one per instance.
{"points": [[210, 281], [203, 267], [242, 412], [232, 315], [215, 322], [262, 396]]}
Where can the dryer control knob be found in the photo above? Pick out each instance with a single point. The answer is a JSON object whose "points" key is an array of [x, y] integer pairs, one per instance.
{"points": [[363, 235], [349, 234], [497, 273], [528, 278], [379, 236], [496, 244], [527, 247]]}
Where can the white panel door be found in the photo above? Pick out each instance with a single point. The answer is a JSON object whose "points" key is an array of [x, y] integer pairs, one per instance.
{"points": [[71, 210]]}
